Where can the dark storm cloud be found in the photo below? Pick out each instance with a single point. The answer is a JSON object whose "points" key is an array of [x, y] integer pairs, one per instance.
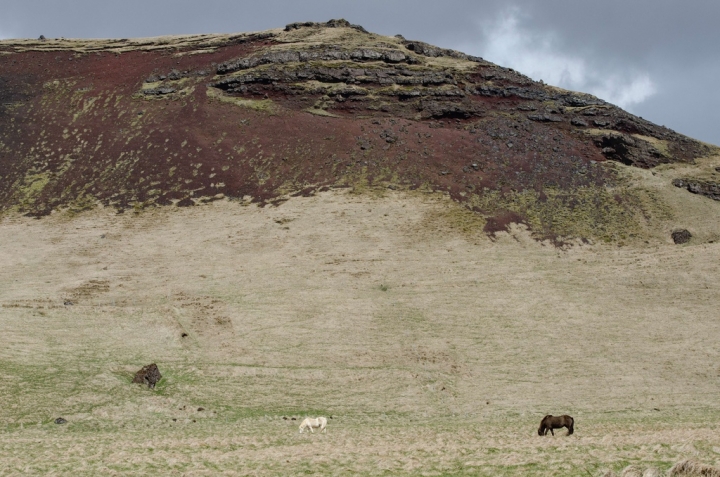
{"points": [[658, 58]]}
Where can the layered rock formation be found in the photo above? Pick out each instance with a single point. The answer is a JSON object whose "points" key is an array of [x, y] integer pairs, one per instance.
{"points": [[185, 120]]}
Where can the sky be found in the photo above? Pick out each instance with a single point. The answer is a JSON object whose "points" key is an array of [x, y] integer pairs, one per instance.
{"points": [[659, 59]]}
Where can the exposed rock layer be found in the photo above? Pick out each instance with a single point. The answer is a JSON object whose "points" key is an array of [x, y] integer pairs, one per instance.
{"points": [[187, 120], [706, 188]]}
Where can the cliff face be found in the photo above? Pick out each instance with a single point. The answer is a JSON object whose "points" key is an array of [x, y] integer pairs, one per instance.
{"points": [[180, 121]]}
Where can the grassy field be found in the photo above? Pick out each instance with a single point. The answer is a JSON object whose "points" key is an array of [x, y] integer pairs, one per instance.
{"points": [[435, 350]]}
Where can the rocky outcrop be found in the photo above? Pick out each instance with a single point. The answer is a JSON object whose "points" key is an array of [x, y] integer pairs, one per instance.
{"points": [[340, 23], [431, 51], [184, 121], [304, 56], [279, 77], [159, 91], [705, 188], [396, 82]]}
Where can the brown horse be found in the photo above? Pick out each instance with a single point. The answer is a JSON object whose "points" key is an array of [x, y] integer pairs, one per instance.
{"points": [[549, 423]]}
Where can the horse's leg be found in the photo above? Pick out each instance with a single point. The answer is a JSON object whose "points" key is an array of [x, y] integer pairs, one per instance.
{"points": [[551, 431]]}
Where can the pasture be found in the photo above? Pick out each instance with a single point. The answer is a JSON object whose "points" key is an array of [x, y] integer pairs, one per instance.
{"points": [[435, 350]]}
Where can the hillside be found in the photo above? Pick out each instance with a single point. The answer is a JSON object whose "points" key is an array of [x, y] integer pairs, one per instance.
{"points": [[431, 250], [183, 121]]}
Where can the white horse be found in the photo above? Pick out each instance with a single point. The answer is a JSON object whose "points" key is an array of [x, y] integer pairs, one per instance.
{"points": [[309, 423]]}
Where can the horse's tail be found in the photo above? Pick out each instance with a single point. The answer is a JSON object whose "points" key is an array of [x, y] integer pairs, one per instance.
{"points": [[571, 427]]}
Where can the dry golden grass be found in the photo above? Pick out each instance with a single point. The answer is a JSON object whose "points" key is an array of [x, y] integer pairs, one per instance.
{"points": [[691, 468], [194, 44], [435, 350]]}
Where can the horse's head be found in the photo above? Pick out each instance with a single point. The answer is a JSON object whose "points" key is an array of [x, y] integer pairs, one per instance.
{"points": [[544, 425]]}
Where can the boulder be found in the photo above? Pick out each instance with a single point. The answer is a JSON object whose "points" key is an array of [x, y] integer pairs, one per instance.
{"points": [[149, 375], [681, 236]]}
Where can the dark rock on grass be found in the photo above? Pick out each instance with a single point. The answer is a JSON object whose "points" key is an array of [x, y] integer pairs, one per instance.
{"points": [[696, 186], [681, 236], [60, 420], [149, 375]]}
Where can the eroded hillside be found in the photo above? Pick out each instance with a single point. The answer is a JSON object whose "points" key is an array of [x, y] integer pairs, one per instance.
{"points": [[263, 116]]}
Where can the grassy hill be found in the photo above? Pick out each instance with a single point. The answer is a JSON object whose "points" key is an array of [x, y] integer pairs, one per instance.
{"points": [[436, 323], [434, 349]]}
